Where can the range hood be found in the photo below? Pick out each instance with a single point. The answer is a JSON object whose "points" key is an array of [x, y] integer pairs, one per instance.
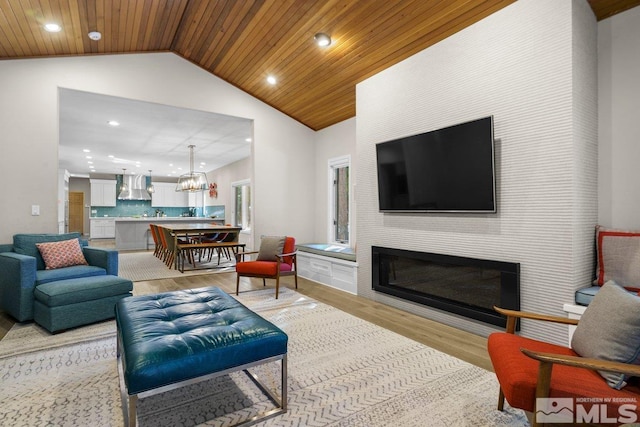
{"points": [[136, 188]]}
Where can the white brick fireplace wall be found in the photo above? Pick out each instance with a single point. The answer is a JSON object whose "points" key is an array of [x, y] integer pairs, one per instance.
{"points": [[532, 66]]}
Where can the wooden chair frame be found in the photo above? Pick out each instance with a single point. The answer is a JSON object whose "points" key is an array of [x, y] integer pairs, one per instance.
{"points": [[548, 360], [158, 250], [175, 251], [280, 259]]}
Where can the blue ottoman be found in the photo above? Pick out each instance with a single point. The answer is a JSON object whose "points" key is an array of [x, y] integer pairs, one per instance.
{"points": [[172, 339], [65, 304]]}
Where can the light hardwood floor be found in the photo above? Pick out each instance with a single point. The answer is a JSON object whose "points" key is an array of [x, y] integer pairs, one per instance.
{"points": [[455, 342], [460, 344]]}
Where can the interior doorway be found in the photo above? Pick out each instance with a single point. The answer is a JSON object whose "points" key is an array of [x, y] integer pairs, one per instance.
{"points": [[76, 211]]}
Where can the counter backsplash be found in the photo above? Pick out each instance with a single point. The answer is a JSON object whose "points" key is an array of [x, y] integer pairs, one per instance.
{"points": [[129, 208]]}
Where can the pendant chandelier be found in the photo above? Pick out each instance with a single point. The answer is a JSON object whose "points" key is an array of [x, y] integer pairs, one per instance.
{"points": [[123, 186], [192, 181], [150, 188]]}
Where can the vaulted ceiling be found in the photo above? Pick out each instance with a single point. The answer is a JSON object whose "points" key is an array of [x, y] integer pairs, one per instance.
{"points": [[244, 41]]}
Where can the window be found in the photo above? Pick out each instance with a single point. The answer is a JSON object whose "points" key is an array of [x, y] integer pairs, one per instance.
{"points": [[339, 200], [241, 191]]}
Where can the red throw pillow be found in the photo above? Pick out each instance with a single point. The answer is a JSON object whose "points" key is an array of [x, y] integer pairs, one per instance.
{"points": [[62, 254], [618, 257]]}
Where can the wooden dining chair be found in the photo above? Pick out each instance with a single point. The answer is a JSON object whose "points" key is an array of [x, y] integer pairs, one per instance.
{"points": [[182, 249], [219, 238], [153, 229], [168, 245], [164, 252], [226, 238]]}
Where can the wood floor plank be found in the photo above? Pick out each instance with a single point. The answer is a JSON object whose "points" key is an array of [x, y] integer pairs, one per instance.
{"points": [[463, 345]]}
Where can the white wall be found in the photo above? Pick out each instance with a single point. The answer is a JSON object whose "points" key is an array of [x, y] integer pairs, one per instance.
{"points": [[529, 66], [282, 150], [224, 177], [619, 120], [335, 141]]}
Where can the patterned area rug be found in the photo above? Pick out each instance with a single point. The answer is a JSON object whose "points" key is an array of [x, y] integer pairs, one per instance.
{"points": [[343, 371], [137, 266], [30, 337]]}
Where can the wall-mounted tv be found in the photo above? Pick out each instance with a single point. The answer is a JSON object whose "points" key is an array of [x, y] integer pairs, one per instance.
{"points": [[445, 170]]}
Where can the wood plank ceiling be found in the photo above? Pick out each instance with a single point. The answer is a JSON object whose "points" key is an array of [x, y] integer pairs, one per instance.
{"points": [[244, 41]]}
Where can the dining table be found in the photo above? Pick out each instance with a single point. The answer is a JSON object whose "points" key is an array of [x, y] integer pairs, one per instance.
{"points": [[190, 230]]}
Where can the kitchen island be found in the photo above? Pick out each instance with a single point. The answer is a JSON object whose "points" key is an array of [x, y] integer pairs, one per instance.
{"points": [[133, 233]]}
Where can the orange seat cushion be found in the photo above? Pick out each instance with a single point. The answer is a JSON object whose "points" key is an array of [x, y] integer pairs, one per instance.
{"points": [[518, 374], [268, 268], [262, 268]]}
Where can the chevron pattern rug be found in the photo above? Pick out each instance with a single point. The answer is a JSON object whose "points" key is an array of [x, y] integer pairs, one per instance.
{"points": [[343, 371]]}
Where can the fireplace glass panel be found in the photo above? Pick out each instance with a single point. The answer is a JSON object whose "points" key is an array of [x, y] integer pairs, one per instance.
{"points": [[473, 286], [466, 286]]}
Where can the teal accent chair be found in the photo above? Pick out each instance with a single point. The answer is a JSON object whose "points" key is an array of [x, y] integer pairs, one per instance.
{"points": [[22, 270]]}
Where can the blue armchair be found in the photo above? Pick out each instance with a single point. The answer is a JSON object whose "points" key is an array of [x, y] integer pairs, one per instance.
{"points": [[22, 270]]}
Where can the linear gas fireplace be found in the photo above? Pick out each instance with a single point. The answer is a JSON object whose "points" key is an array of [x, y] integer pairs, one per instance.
{"points": [[466, 286]]}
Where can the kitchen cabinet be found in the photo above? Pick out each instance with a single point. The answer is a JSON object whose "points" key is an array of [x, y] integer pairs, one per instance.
{"points": [[102, 228], [166, 196], [103, 192], [196, 199]]}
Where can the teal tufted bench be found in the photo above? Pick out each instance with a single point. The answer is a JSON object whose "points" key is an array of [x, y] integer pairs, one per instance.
{"points": [[172, 339]]}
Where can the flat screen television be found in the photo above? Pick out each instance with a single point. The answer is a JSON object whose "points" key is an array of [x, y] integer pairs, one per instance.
{"points": [[445, 170]]}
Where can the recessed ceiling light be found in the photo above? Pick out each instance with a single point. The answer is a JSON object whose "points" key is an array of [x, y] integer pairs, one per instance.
{"points": [[111, 156], [88, 157], [95, 35], [271, 80], [322, 39], [90, 162], [248, 139], [52, 27], [113, 123], [86, 150]]}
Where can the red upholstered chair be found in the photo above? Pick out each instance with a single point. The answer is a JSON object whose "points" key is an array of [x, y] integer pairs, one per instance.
{"points": [[528, 369], [283, 264]]}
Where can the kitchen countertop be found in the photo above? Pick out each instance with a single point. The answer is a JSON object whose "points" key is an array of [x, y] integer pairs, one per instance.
{"points": [[133, 232], [156, 218]]}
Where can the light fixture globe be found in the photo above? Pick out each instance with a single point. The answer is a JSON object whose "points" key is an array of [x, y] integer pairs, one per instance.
{"points": [[192, 181], [123, 186], [150, 187], [322, 39]]}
